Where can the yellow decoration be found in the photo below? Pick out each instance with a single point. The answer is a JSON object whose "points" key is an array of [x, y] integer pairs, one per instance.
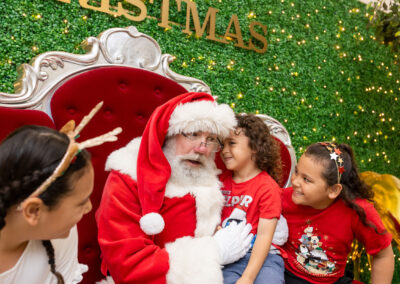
{"points": [[387, 198], [387, 202]]}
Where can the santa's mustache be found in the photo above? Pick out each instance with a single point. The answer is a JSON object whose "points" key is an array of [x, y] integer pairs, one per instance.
{"points": [[201, 159]]}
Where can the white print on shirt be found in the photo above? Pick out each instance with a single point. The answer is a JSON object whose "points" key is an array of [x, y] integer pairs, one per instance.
{"points": [[226, 192], [237, 216], [311, 255], [243, 200]]}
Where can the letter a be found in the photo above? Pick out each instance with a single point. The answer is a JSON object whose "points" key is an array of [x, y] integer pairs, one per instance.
{"points": [[238, 34]]}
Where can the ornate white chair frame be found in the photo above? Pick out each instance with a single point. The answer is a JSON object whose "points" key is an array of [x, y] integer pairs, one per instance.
{"points": [[114, 47]]}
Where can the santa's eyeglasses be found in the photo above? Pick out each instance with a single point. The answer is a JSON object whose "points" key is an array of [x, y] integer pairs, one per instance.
{"points": [[212, 143]]}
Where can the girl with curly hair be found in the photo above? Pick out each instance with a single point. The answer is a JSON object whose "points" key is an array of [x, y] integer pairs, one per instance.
{"points": [[253, 195]]}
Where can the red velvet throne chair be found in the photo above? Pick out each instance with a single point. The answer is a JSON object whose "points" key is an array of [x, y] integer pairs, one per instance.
{"points": [[125, 69]]}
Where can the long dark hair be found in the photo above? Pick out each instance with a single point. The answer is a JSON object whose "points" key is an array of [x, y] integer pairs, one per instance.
{"points": [[28, 156], [267, 156], [353, 186]]}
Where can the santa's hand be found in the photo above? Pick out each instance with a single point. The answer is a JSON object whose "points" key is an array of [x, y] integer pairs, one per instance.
{"points": [[281, 232], [233, 242]]}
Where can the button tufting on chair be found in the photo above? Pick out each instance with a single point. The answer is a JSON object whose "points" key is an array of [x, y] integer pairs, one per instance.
{"points": [[122, 85], [71, 110], [108, 112], [140, 116], [88, 249]]}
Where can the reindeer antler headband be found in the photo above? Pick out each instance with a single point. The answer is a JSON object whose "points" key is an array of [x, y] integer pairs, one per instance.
{"points": [[74, 147], [335, 154]]}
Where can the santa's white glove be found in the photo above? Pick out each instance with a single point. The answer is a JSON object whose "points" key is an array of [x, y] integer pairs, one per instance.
{"points": [[233, 242], [281, 232]]}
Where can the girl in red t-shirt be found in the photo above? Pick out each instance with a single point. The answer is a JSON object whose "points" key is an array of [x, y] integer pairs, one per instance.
{"points": [[252, 157], [326, 209]]}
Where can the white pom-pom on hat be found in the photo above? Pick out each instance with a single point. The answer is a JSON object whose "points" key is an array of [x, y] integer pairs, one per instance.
{"points": [[152, 223]]}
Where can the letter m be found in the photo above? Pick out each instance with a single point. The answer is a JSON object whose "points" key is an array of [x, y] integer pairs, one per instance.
{"points": [[191, 13]]}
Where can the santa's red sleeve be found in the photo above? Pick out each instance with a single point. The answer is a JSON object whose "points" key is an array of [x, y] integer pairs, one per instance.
{"points": [[131, 256]]}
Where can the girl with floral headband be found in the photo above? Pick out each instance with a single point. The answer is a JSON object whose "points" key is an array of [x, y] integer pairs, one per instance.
{"points": [[46, 179], [326, 209]]}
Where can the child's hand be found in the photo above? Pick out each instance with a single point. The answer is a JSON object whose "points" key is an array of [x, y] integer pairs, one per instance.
{"points": [[244, 280]]}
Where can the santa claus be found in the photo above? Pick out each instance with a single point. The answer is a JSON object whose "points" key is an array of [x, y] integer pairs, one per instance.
{"points": [[162, 202]]}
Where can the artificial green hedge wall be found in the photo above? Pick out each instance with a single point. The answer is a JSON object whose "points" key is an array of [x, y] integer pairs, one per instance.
{"points": [[323, 74]]}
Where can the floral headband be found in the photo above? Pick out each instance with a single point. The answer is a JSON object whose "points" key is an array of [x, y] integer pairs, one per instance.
{"points": [[335, 154], [74, 147]]}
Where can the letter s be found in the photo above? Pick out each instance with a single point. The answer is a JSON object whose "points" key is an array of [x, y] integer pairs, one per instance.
{"points": [[258, 37], [139, 4]]}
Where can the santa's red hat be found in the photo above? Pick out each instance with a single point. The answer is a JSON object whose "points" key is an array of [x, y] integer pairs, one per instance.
{"points": [[189, 112]]}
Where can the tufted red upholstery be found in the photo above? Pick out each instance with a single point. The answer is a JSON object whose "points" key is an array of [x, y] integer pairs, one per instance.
{"points": [[130, 96], [11, 119]]}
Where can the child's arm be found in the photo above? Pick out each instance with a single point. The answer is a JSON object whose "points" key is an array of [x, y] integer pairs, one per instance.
{"points": [[382, 266], [265, 231]]}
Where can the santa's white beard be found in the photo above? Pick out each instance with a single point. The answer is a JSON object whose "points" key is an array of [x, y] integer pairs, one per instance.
{"points": [[186, 175]]}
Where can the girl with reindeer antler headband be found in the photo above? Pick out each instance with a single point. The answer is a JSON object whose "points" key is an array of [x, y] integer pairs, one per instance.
{"points": [[46, 179], [327, 208]]}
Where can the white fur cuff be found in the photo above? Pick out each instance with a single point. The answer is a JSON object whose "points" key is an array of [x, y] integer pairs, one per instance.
{"points": [[194, 261], [152, 223]]}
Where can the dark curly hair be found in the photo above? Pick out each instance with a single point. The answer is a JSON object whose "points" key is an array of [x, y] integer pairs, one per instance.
{"points": [[267, 156], [353, 186], [28, 156]]}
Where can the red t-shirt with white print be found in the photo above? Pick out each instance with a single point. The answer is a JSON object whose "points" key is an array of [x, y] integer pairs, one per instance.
{"points": [[320, 240], [259, 197]]}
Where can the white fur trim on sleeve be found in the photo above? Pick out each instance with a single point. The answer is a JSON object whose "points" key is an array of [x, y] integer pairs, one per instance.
{"points": [[152, 223], [202, 116], [194, 260], [281, 232], [124, 159]]}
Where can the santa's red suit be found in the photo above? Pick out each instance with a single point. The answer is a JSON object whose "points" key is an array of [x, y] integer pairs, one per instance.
{"points": [[181, 251]]}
